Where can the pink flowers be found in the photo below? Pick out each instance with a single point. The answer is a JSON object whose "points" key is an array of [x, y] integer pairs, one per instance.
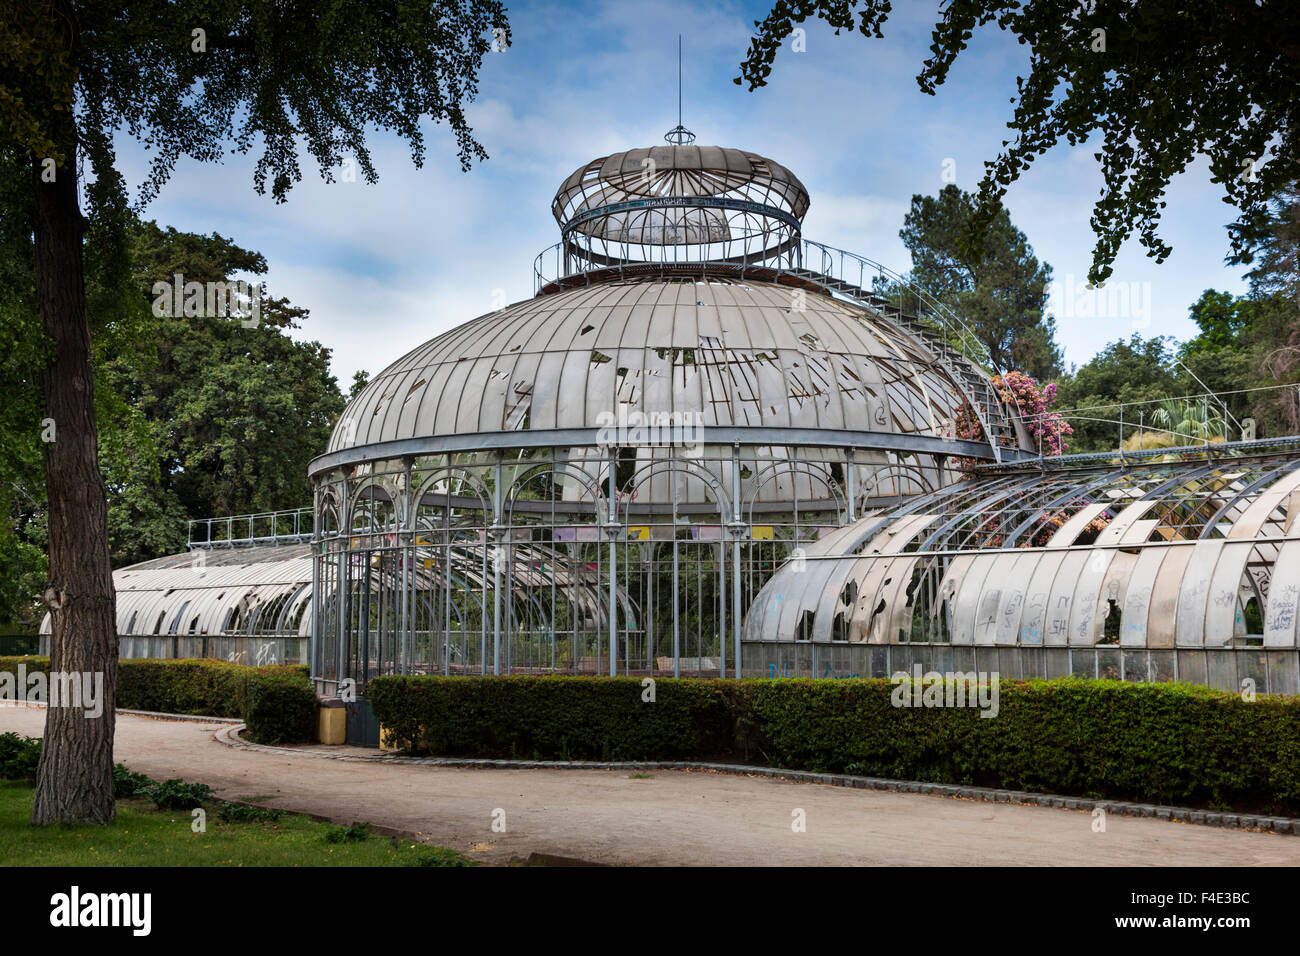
{"points": [[1031, 404]]}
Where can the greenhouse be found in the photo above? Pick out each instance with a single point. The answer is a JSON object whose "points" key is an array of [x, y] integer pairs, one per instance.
{"points": [[601, 479], [708, 446], [1179, 566]]}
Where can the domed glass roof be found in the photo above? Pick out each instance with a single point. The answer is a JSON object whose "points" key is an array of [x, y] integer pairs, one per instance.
{"points": [[682, 288], [736, 354]]}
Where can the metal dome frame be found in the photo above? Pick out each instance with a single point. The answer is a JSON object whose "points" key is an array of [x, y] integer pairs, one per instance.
{"points": [[680, 203], [804, 385]]}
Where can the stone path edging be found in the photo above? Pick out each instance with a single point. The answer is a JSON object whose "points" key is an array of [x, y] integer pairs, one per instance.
{"points": [[229, 736], [154, 714]]}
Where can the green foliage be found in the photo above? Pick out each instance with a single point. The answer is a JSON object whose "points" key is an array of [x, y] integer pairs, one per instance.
{"points": [[555, 717], [1137, 370], [202, 416], [280, 708], [356, 833], [277, 704], [198, 415], [999, 289], [19, 756], [176, 794], [440, 856], [128, 783], [228, 416], [1190, 421], [142, 835], [1270, 241], [360, 379], [1248, 343], [1135, 77], [1171, 743], [238, 813]]}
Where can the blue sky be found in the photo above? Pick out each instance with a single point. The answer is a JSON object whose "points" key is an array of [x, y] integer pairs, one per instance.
{"points": [[383, 268]]}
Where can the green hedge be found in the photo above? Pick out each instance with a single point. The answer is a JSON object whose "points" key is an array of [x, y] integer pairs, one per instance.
{"points": [[1165, 743], [560, 718], [277, 703]]}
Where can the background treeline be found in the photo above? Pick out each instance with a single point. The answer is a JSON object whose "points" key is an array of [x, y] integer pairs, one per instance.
{"points": [[1246, 345], [197, 416]]}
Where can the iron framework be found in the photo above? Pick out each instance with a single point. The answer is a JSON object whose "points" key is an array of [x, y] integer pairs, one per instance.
{"points": [[600, 479], [1180, 566]]}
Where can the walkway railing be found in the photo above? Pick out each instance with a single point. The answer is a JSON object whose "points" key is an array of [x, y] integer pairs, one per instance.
{"points": [[265, 528]]}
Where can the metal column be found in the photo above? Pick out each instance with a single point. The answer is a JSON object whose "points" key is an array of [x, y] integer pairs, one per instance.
{"points": [[736, 497]]}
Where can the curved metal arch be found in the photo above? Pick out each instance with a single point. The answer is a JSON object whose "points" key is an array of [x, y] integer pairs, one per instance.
{"points": [[370, 484], [672, 464], [462, 472], [748, 502], [1274, 474], [591, 483], [328, 506], [458, 471]]}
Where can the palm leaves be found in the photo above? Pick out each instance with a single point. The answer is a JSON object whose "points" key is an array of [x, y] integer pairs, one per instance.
{"points": [[1180, 421]]}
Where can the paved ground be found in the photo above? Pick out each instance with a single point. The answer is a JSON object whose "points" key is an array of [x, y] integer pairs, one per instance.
{"points": [[673, 817]]}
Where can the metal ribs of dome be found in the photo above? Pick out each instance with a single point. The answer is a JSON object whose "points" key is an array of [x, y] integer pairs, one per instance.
{"points": [[684, 172], [631, 206], [735, 354], [731, 324]]}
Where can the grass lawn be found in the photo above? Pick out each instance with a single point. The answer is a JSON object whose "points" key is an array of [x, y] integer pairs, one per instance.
{"points": [[143, 835]]}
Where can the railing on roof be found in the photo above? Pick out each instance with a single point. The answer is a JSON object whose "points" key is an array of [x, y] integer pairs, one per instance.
{"points": [[835, 271], [292, 526], [854, 276]]}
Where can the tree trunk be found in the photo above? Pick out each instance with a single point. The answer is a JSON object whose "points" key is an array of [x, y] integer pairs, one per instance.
{"points": [[74, 781]]}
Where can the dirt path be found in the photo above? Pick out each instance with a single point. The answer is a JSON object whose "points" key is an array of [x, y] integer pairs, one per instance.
{"points": [[673, 817]]}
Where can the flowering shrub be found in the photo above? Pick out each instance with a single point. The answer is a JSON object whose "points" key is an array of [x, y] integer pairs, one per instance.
{"points": [[1032, 403]]}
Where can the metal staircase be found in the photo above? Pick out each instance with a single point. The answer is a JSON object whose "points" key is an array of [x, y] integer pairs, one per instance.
{"points": [[836, 272], [937, 329]]}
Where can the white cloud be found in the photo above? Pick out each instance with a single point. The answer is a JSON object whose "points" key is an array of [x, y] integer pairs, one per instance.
{"points": [[384, 268]]}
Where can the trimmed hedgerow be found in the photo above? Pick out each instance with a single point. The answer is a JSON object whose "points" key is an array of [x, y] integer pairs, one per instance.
{"points": [[280, 709], [277, 703], [559, 718], [1165, 743]]}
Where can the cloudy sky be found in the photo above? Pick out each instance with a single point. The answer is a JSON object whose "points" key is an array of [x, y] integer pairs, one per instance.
{"points": [[383, 268]]}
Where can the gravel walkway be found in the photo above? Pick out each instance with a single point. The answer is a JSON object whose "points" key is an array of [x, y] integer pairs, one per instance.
{"points": [[669, 818]]}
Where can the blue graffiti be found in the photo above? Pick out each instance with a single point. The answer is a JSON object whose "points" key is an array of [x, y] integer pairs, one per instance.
{"points": [[827, 674]]}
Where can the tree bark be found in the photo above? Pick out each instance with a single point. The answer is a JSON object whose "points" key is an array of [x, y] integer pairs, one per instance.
{"points": [[74, 780]]}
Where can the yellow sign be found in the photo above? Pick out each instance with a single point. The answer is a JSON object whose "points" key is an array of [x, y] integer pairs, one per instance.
{"points": [[761, 532]]}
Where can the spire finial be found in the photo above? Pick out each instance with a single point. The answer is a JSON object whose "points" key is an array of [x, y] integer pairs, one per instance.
{"points": [[679, 135]]}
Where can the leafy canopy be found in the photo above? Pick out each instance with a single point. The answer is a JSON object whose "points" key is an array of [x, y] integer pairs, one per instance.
{"points": [[1160, 82], [190, 78], [198, 416]]}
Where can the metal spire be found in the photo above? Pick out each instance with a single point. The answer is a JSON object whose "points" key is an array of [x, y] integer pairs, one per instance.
{"points": [[679, 135]]}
